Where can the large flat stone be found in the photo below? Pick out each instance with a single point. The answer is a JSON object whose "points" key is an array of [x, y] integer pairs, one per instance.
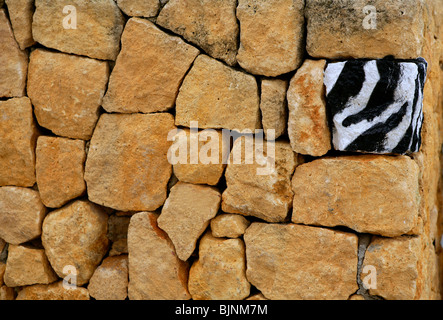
{"points": [[20, 13]]}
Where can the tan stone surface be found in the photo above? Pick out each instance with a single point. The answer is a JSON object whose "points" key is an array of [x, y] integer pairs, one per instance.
{"points": [[53, 291], [66, 101], [27, 266], [218, 96], [13, 73], [20, 13], [7, 293], [273, 106], [308, 128], [2, 272], [127, 167], [75, 235], [209, 24], [18, 136], [373, 194], [335, 29], [220, 271], [149, 69], [139, 8], [271, 37], [263, 194], [98, 30], [186, 215], [323, 262], [110, 279], [118, 234], [229, 225], [21, 214], [59, 170], [155, 271]]}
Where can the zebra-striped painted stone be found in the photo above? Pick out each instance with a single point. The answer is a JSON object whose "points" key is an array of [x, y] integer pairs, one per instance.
{"points": [[376, 106]]}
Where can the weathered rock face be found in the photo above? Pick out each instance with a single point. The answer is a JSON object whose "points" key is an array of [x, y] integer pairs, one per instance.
{"points": [[75, 235], [53, 291], [229, 225], [89, 28], [323, 262], [139, 8], [18, 135], [373, 194], [149, 69], [273, 106], [127, 167], [265, 47], [210, 24], [220, 271], [308, 128], [20, 13], [151, 250], [67, 105], [372, 30], [218, 96], [110, 279], [186, 215], [21, 214]]}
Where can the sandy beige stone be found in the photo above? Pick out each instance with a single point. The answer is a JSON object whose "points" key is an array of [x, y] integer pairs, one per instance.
{"points": [[127, 167], [229, 225], [139, 8], [308, 128], [27, 266], [323, 262], [110, 279], [151, 250], [53, 291], [149, 69], [186, 215], [59, 170], [20, 13], [220, 271], [367, 193], [398, 28], [118, 234], [75, 235], [271, 37], [18, 136], [209, 24], [7, 293], [66, 101], [21, 214], [97, 31], [273, 107]]}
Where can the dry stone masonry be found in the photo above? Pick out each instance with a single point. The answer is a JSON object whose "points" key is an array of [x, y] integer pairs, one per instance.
{"points": [[221, 149]]}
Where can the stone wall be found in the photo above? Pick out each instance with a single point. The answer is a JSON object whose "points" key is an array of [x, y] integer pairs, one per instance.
{"points": [[133, 164]]}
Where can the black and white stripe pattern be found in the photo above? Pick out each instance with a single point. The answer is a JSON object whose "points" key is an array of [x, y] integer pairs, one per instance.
{"points": [[376, 106]]}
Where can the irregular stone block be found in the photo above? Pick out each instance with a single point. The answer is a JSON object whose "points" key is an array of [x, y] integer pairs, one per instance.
{"points": [[229, 225], [20, 13], [53, 291], [149, 69], [377, 105], [139, 8], [110, 279], [273, 106]]}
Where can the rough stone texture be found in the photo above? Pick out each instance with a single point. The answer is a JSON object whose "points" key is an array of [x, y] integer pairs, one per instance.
{"points": [[273, 106], [98, 30], [127, 167], [308, 128], [27, 266], [209, 24], [229, 225], [335, 29], [59, 170], [186, 214], [220, 271], [110, 279], [13, 73], [2, 272], [218, 96], [271, 37], [118, 234], [7, 293], [21, 214], [323, 262], [65, 100], [53, 291], [76, 235], [18, 136], [20, 13], [373, 194], [148, 70], [151, 250], [139, 8], [267, 195]]}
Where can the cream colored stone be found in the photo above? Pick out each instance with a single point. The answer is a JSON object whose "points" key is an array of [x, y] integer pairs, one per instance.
{"points": [[149, 69], [293, 262], [20, 13], [127, 167], [273, 107], [271, 37], [186, 215], [139, 8], [229, 225], [53, 291], [367, 193], [220, 271], [308, 128], [110, 279], [218, 96], [155, 271], [66, 91]]}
